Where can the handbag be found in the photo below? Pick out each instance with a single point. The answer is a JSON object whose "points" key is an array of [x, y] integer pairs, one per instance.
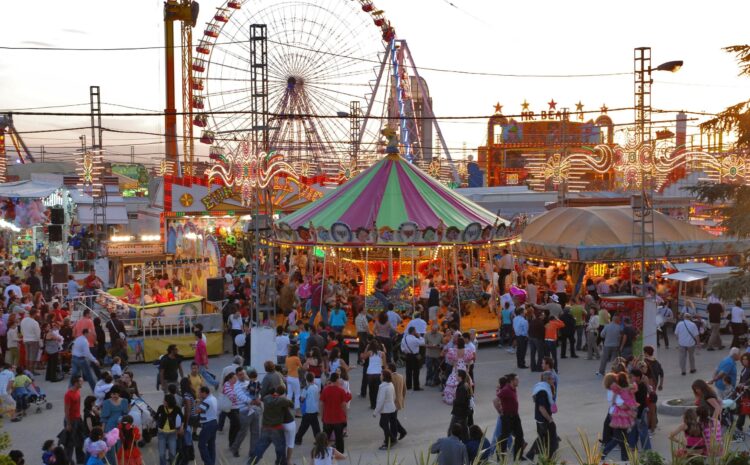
{"points": [[223, 403]]}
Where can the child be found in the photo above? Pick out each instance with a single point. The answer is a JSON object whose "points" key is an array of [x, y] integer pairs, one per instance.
{"points": [[322, 454], [47, 452], [728, 388], [116, 368], [90, 414], [21, 391], [95, 447], [711, 432], [694, 443], [129, 453]]}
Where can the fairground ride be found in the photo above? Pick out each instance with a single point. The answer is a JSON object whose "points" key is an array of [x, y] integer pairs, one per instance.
{"points": [[315, 81]]}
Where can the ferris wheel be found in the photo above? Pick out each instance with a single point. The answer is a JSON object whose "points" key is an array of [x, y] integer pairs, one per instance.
{"points": [[322, 62]]}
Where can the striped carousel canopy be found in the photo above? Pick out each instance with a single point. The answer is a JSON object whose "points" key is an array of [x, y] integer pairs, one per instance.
{"points": [[392, 203]]}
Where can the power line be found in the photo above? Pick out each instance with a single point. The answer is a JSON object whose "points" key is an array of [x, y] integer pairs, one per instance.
{"points": [[299, 47]]}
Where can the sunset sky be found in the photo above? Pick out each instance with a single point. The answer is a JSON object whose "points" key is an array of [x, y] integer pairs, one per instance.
{"points": [[521, 38]]}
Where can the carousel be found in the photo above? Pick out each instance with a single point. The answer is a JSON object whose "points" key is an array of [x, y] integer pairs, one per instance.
{"points": [[393, 221]]}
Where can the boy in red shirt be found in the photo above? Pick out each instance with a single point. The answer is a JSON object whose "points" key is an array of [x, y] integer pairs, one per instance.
{"points": [[333, 401]]}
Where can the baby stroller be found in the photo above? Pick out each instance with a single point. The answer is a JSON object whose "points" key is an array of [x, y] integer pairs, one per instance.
{"points": [[144, 418], [31, 396]]}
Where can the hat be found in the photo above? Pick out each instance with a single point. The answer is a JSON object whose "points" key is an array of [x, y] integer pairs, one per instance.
{"points": [[554, 298]]}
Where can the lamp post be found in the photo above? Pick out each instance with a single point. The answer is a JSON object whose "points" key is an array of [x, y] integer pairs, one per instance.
{"points": [[642, 95]]}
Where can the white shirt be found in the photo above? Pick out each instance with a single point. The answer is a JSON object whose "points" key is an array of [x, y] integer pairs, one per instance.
{"points": [[593, 324], [410, 344], [30, 330], [424, 290], [209, 409], [419, 324], [531, 292], [386, 398], [229, 261], [81, 348], [506, 262], [687, 333], [507, 298], [235, 321], [738, 315], [394, 319], [16, 292], [6, 376], [375, 365], [282, 345], [560, 285]]}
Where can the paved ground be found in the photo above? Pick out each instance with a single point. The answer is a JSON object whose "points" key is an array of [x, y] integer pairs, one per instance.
{"points": [[581, 405]]}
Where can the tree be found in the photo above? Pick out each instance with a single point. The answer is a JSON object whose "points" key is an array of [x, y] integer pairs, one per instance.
{"points": [[731, 201]]}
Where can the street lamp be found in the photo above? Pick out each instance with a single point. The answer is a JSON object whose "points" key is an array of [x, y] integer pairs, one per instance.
{"points": [[642, 206]]}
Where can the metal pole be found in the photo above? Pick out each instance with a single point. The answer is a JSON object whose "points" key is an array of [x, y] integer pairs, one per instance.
{"points": [[322, 285], [367, 259], [458, 291], [413, 281]]}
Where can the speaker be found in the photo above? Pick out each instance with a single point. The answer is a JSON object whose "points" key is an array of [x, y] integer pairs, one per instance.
{"points": [[57, 216], [55, 233], [215, 289], [60, 273]]}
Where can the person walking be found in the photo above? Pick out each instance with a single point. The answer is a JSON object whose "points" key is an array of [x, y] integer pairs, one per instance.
{"points": [[81, 357], [687, 340], [169, 422], [715, 313], [521, 332], [333, 402], [399, 386], [52, 346], [32, 336], [362, 324], [612, 342], [568, 333], [375, 364], [386, 408], [248, 393], [736, 322], [551, 329], [546, 443], [511, 421], [208, 412], [275, 408], [410, 346], [433, 347], [667, 321], [72, 421], [461, 405], [451, 450], [433, 303], [579, 315], [592, 335], [727, 369], [310, 399], [640, 431], [170, 365], [655, 376], [536, 340]]}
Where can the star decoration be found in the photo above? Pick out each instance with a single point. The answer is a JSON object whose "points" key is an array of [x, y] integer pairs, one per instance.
{"points": [[579, 106], [552, 104], [525, 105], [604, 109], [498, 108]]}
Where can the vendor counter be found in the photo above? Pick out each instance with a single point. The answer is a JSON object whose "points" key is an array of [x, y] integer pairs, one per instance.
{"points": [[152, 328]]}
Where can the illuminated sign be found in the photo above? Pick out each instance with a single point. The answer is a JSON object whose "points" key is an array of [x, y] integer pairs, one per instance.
{"points": [[215, 198], [556, 115]]}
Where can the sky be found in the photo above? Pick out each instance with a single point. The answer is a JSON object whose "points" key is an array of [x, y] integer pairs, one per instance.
{"points": [[530, 37]]}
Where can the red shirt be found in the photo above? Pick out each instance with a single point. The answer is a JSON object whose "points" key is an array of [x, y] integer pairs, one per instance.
{"points": [[334, 397], [85, 323], [73, 401], [508, 400]]}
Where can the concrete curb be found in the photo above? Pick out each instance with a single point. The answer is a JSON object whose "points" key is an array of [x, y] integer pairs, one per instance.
{"points": [[665, 408]]}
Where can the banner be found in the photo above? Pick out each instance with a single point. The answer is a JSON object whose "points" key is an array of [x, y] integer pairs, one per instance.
{"points": [[156, 346], [630, 306]]}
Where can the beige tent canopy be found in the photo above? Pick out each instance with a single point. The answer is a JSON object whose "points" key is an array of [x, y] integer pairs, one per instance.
{"points": [[605, 234]]}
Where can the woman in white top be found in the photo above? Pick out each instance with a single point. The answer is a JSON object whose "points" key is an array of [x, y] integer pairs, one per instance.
{"points": [[375, 363], [322, 454], [386, 407], [235, 329]]}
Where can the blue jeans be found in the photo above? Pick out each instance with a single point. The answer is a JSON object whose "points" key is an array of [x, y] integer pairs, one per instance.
{"points": [[207, 442], [167, 447], [267, 437], [209, 377], [81, 367], [496, 436], [433, 367], [619, 438], [639, 432]]}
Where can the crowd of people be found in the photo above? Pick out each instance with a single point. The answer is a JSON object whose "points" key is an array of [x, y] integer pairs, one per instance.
{"points": [[307, 385]]}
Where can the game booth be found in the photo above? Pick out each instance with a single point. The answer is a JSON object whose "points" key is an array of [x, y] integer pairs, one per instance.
{"points": [[395, 219]]}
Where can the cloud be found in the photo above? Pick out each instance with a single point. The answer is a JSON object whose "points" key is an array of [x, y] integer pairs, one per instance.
{"points": [[37, 44], [75, 31]]}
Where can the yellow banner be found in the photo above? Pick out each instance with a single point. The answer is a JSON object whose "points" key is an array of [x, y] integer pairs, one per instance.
{"points": [[156, 346]]}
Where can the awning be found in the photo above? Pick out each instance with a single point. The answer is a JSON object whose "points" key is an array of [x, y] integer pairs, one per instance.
{"points": [[27, 189], [115, 214], [685, 276]]}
